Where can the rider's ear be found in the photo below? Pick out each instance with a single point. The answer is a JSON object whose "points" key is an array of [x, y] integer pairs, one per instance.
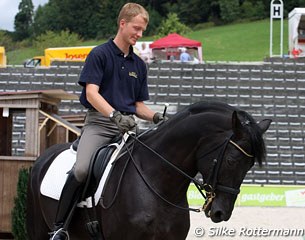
{"points": [[236, 124], [264, 125]]}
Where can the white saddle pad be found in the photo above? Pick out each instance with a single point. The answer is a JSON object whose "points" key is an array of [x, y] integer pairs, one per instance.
{"points": [[55, 178]]}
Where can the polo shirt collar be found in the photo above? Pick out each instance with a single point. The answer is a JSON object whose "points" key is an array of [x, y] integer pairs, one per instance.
{"points": [[118, 51]]}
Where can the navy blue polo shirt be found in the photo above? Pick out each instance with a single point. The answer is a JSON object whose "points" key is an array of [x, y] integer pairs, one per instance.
{"points": [[122, 80]]}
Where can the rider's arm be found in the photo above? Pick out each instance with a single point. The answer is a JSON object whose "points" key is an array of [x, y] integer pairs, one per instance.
{"points": [[144, 112], [97, 101]]}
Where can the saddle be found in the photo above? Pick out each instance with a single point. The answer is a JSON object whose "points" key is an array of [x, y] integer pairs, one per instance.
{"points": [[97, 168], [98, 165], [101, 164]]}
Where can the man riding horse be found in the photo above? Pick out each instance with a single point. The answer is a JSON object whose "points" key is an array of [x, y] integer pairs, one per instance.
{"points": [[114, 81]]}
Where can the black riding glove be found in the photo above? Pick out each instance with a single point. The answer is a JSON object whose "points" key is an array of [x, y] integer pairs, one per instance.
{"points": [[125, 123], [158, 117]]}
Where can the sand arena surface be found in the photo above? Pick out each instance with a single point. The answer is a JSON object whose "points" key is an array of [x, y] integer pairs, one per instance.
{"points": [[250, 222]]}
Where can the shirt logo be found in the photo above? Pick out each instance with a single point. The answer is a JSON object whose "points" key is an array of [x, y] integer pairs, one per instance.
{"points": [[133, 74]]}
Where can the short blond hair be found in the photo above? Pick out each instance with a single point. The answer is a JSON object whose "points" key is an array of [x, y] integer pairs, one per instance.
{"points": [[131, 10]]}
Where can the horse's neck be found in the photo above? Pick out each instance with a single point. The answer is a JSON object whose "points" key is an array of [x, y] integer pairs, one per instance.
{"points": [[177, 151], [175, 147], [177, 142]]}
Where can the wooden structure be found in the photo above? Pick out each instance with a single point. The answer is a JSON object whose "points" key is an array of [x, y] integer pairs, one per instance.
{"points": [[38, 107]]}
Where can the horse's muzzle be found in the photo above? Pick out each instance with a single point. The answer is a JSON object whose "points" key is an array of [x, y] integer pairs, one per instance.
{"points": [[219, 216], [217, 213]]}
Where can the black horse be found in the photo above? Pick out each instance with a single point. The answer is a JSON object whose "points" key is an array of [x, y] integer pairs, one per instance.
{"points": [[145, 198]]}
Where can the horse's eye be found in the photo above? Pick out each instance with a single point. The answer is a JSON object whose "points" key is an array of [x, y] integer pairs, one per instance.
{"points": [[233, 157], [231, 160]]}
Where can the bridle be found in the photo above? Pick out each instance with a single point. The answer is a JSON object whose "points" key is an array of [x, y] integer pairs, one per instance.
{"points": [[241, 149], [208, 186], [212, 184]]}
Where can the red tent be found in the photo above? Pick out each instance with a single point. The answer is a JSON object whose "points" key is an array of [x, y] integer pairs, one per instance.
{"points": [[175, 40]]}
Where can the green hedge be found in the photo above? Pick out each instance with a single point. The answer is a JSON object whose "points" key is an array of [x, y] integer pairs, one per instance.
{"points": [[19, 210]]}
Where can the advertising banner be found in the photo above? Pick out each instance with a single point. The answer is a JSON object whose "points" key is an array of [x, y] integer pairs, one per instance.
{"points": [[256, 195]]}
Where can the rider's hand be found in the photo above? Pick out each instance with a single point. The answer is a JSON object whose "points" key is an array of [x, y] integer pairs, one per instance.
{"points": [[125, 123], [158, 117]]}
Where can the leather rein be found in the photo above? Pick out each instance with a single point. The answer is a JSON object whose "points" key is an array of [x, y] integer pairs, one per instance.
{"points": [[208, 186]]}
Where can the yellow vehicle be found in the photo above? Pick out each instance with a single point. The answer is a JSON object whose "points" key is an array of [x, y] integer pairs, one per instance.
{"points": [[2, 57], [66, 54]]}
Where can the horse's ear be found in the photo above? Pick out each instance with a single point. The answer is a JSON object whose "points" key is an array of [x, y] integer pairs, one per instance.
{"points": [[264, 124], [236, 124]]}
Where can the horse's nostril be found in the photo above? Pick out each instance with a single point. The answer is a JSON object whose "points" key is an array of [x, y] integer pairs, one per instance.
{"points": [[217, 216]]}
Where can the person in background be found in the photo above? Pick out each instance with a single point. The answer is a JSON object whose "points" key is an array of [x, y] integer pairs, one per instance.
{"points": [[184, 56], [144, 52], [114, 82]]}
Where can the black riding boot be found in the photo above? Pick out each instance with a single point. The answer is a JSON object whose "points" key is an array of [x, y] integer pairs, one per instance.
{"points": [[69, 195]]}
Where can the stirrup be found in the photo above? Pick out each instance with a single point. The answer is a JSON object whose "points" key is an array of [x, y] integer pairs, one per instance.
{"points": [[60, 231]]}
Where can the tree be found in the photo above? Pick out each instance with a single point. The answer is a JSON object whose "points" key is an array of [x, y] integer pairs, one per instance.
{"points": [[6, 40], [55, 39], [229, 10], [252, 11], [107, 15], [193, 11], [46, 19], [79, 16], [97, 19], [24, 20], [172, 25], [155, 20], [108, 12]]}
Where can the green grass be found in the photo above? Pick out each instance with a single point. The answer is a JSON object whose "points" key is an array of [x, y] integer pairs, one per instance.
{"points": [[240, 42], [18, 56], [236, 42]]}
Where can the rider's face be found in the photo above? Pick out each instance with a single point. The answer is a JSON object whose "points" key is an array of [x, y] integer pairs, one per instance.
{"points": [[133, 30]]}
